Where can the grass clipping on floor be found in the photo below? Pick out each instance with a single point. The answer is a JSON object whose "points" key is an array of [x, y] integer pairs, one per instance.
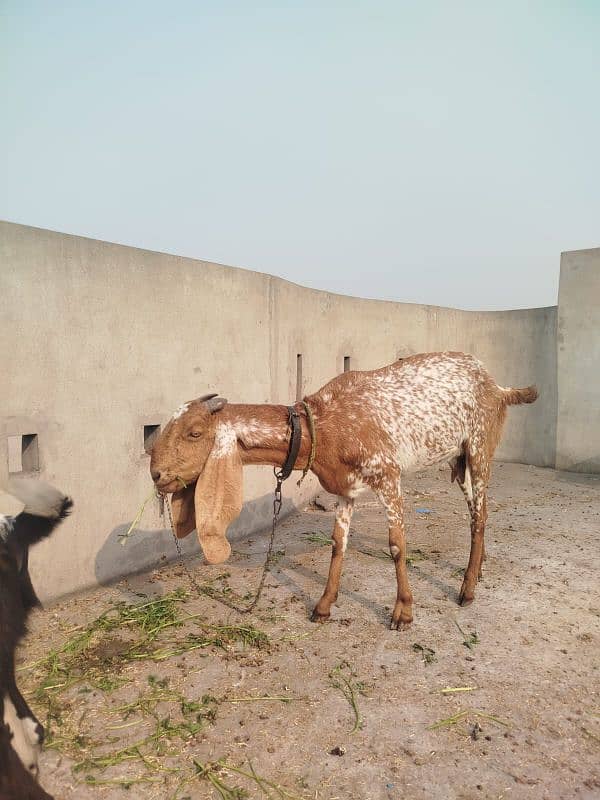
{"points": [[343, 678], [114, 743]]}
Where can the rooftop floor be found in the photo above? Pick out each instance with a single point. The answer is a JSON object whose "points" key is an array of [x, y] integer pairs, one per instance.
{"points": [[153, 695]]}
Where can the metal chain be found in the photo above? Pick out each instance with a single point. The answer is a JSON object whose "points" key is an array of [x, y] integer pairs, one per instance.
{"points": [[277, 503]]}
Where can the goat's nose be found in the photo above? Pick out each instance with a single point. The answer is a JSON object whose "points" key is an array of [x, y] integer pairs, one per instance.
{"points": [[155, 474]]}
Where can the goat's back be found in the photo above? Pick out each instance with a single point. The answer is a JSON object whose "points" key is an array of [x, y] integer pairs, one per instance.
{"points": [[421, 409]]}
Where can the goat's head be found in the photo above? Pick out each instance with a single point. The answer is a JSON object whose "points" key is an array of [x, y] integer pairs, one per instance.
{"points": [[182, 448], [196, 458]]}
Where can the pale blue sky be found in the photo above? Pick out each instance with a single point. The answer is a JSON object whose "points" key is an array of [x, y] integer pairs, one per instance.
{"points": [[433, 152]]}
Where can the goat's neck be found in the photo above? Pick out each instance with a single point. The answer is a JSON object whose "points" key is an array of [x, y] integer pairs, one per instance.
{"points": [[264, 434]]}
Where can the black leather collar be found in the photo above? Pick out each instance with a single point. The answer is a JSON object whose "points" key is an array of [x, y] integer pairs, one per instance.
{"points": [[294, 446]]}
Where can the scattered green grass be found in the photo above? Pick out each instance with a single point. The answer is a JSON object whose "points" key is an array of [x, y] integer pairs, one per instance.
{"points": [[125, 783], [382, 554], [160, 692], [449, 721], [98, 657], [281, 698], [213, 774], [95, 653], [414, 556], [318, 538], [343, 677], [186, 718], [218, 588], [470, 640], [427, 653]]}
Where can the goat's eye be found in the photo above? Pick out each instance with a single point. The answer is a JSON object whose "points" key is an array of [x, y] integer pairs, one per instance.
{"points": [[195, 434]]}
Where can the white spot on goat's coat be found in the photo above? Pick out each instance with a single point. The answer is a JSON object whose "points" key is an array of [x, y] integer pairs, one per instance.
{"points": [[253, 432], [468, 485], [225, 441], [181, 410], [343, 517]]}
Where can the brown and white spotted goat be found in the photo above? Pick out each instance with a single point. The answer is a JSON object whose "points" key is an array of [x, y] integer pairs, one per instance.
{"points": [[370, 427]]}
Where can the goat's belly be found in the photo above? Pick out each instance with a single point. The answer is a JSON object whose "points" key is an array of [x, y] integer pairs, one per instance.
{"points": [[430, 460], [427, 453]]}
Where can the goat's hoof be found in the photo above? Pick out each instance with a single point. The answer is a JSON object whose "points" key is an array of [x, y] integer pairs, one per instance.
{"points": [[316, 616], [466, 594], [400, 625], [465, 598], [401, 619]]}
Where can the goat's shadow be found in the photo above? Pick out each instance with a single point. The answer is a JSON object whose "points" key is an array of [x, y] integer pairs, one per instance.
{"points": [[147, 549], [288, 565], [122, 556]]}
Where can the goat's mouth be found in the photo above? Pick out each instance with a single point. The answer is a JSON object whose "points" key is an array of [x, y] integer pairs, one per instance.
{"points": [[171, 485]]}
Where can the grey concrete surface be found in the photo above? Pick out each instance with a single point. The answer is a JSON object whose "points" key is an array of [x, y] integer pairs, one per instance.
{"points": [[578, 351], [528, 729], [98, 340]]}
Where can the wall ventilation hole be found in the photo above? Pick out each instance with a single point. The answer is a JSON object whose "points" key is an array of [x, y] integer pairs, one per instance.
{"points": [[299, 376], [346, 363], [23, 453], [150, 436]]}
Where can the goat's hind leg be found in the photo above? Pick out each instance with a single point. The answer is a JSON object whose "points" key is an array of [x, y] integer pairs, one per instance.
{"points": [[343, 516], [479, 481], [462, 474], [402, 615]]}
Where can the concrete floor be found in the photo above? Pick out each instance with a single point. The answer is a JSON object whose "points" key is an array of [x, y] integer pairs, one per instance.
{"points": [[528, 728]]}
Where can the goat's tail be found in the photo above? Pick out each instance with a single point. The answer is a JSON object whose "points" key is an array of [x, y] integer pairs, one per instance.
{"points": [[514, 397]]}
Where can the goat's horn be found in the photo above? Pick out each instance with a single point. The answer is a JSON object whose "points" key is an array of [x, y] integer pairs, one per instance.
{"points": [[216, 403], [206, 397]]}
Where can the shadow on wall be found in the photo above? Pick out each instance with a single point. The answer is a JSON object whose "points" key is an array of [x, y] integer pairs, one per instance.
{"points": [[148, 548]]}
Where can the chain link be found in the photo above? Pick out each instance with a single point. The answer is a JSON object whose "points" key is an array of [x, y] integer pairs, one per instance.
{"points": [[277, 503]]}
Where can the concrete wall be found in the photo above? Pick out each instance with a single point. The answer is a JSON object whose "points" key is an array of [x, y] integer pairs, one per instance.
{"points": [[578, 432], [99, 340]]}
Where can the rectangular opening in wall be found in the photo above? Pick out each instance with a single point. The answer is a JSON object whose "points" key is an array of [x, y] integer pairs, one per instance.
{"points": [[150, 436], [23, 453], [346, 363], [299, 376]]}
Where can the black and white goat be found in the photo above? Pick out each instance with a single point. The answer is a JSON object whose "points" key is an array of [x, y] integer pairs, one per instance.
{"points": [[20, 731], [16, 783]]}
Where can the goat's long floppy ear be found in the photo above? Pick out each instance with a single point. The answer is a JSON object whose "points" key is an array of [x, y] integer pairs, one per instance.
{"points": [[218, 501], [182, 509]]}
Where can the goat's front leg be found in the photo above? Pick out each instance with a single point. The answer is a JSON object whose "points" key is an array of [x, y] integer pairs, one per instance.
{"points": [[27, 733], [32, 725], [343, 515]]}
